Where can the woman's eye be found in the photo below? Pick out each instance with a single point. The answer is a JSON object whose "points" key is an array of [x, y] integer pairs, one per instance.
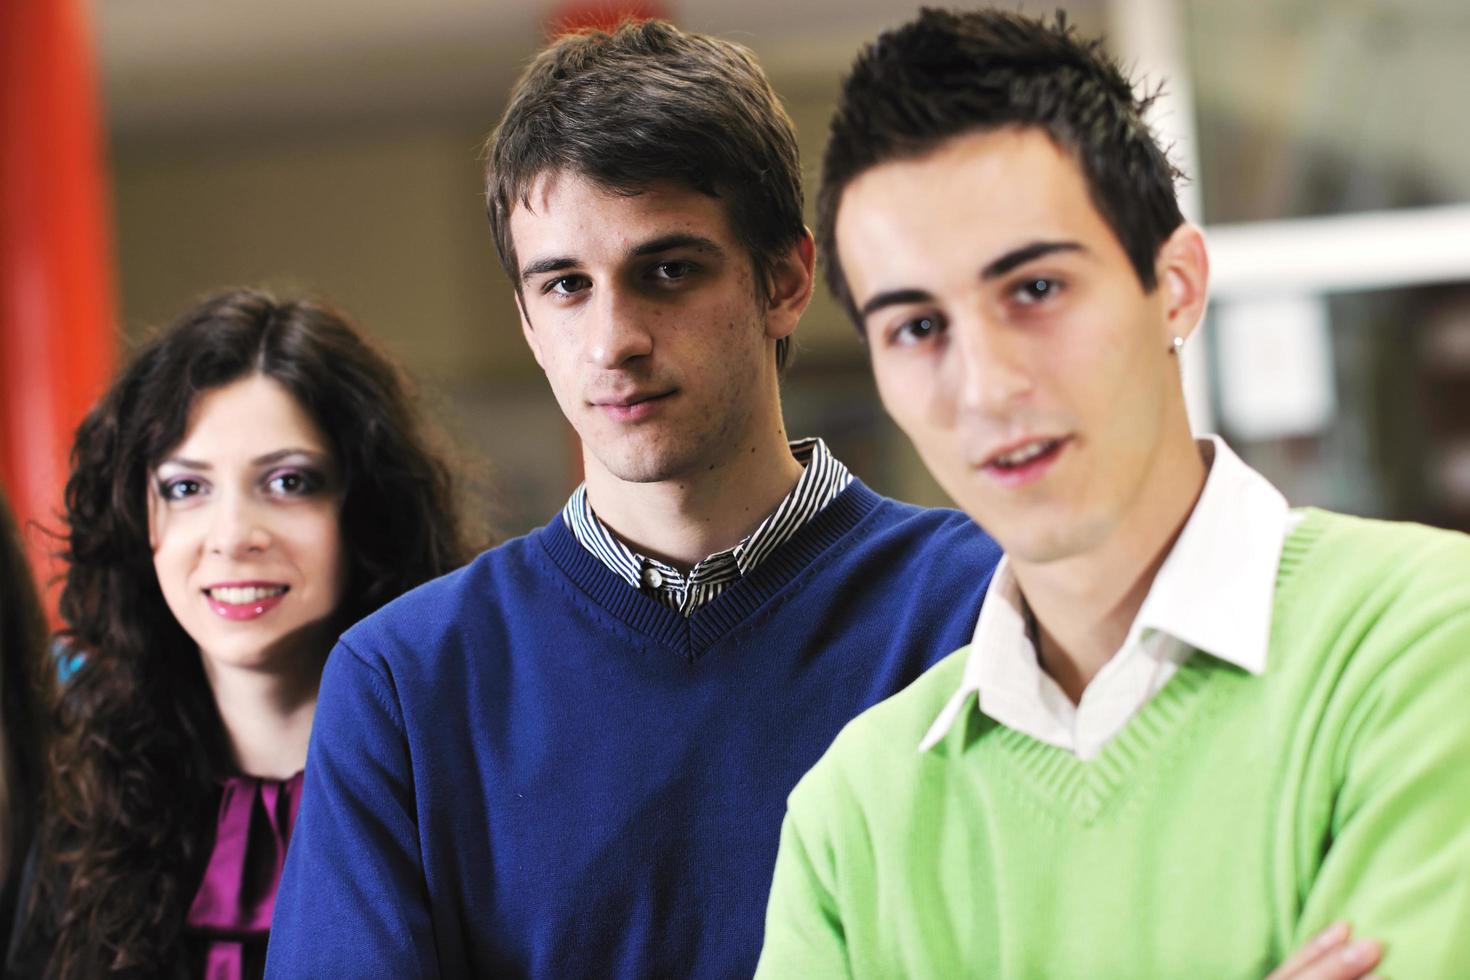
{"points": [[179, 489], [292, 483]]}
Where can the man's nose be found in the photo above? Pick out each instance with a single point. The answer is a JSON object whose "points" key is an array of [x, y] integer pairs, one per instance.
{"points": [[994, 374], [618, 332]]}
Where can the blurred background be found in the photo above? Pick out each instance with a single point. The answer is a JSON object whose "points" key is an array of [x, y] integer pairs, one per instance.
{"points": [[332, 147]]}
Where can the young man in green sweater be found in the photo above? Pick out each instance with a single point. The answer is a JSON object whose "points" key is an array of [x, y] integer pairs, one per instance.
{"points": [[1194, 727]]}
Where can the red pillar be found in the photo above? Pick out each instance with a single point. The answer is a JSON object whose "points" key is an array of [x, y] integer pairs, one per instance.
{"points": [[56, 292], [575, 15]]}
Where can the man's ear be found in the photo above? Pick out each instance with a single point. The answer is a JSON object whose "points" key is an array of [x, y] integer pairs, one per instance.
{"points": [[1183, 271], [791, 286], [529, 332]]}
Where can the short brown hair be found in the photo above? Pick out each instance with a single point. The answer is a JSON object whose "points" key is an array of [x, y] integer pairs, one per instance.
{"points": [[649, 102]]}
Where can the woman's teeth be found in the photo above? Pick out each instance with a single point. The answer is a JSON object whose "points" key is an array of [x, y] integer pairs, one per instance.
{"points": [[247, 595]]}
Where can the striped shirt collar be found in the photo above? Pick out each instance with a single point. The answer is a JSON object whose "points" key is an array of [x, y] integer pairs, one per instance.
{"points": [[822, 479]]}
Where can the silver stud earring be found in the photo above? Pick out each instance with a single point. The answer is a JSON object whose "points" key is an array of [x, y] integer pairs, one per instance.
{"points": [[1177, 347]]}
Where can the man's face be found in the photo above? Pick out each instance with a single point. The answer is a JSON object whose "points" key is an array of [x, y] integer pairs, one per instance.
{"points": [[643, 312], [1012, 341]]}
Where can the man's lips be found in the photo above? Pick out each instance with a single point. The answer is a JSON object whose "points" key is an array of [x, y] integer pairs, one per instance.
{"points": [[1024, 461], [629, 399], [1017, 450], [632, 407]]}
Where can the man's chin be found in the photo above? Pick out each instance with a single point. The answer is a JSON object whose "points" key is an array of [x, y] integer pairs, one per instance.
{"points": [[644, 467], [1049, 539]]}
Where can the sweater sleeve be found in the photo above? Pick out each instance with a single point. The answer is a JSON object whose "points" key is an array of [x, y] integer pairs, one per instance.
{"points": [[1397, 865], [804, 929], [353, 899]]}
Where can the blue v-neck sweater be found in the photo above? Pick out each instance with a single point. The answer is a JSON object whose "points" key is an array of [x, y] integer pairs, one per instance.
{"points": [[528, 768]]}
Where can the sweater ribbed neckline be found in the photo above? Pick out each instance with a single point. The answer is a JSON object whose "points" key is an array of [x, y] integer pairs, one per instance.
{"points": [[1085, 791], [1298, 545], [1155, 736], [691, 636]]}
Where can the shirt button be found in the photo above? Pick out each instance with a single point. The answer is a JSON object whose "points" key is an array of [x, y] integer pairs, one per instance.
{"points": [[653, 579]]}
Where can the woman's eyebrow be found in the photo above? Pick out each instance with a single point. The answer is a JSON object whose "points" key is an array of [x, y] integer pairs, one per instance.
{"points": [[188, 464], [281, 454]]}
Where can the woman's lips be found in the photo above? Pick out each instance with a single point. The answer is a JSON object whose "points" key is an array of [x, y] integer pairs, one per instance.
{"points": [[239, 603]]}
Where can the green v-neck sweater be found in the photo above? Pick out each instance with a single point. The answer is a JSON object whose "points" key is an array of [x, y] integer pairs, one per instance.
{"points": [[1234, 816]]}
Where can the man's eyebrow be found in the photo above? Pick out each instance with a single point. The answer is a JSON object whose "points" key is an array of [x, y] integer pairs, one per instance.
{"points": [[999, 267], [541, 266], [1020, 256], [653, 247], [894, 297], [677, 240]]}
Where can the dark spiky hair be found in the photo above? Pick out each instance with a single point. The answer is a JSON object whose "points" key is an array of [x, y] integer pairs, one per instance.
{"points": [[948, 73]]}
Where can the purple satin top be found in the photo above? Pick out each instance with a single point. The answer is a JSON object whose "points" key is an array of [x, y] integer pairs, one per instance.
{"points": [[232, 909]]}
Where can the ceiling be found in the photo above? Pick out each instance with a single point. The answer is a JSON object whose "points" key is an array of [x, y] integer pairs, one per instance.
{"points": [[1374, 76], [166, 61], [166, 64]]}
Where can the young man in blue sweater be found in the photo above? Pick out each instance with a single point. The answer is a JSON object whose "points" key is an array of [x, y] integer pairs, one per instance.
{"points": [[571, 757]]}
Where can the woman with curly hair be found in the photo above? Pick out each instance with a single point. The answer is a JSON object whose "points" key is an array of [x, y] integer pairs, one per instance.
{"points": [[253, 483], [22, 633]]}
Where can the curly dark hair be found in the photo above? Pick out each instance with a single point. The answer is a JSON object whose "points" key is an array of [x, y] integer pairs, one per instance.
{"points": [[139, 741], [22, 637], [946, 73]]}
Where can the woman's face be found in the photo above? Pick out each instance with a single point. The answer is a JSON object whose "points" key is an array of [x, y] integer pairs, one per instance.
{"points": [[245, 526]]}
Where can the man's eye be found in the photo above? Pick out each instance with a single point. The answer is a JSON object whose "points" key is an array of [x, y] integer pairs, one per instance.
{"points": [[672, 271], [917, 330], [179, 489], [565, 285], [1036, 289]]}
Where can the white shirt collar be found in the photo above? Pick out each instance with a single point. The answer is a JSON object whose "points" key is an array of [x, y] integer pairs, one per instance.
{"points": [[1216, 589], [1214, 593]]}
